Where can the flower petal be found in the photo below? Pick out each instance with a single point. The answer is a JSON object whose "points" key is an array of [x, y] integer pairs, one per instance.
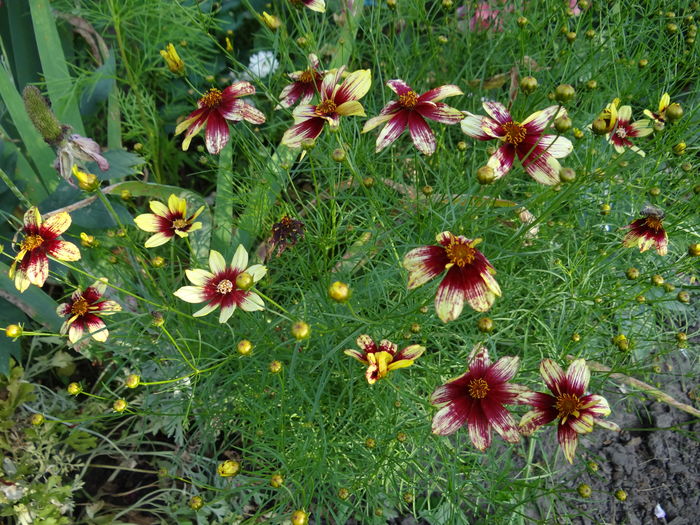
{"points": [[226, 312], [240, 259], [158, 239], [398, 86], [534, 419], [159, 209], [412, 353], [439, 112], [366, 343], [595, 405], [251, 303], [38, 268], [387, 112], [501, 420], [97, 328], [497, 111], [207, 309], [148, 222], [63, 251], [472, 125], [393, 129], [479, 428], [421, 134], [538, 121], [309, 128], [449, 300], [581, 425], [451, 417], [55, 225], [542, 167], [423, 264], [198, 277], [238, 89], [75, 332], [503, 370], [191, 294], [354, 87], [217, 264], [553, 376], [351, 108], [356, 355], [577, 377], [568, 439], [438, 93], [257, 271], [557, 146], [502, 160], [217, 133]]}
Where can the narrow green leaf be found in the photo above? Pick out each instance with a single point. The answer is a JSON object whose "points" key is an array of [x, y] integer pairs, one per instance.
{"points": [[223, 207], [59, 83]]}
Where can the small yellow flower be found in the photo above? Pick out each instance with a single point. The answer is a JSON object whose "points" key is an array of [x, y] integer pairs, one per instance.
{"points": [[383, 358], [228, 468], [168, 221], [88, 241], [229, 45], [271, 21], [173, 60], [86, 181], [14, 331]]}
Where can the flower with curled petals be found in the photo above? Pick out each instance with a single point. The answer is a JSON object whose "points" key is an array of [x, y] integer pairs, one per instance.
{"points": [[575, 412], [469, 274], [411, 110], [623, 130], [477, 399], [31, 264], [315, 5], [305, 84], [537, 152], [167, 221], [84, 310], [213, 110], [647, 232], [337, 100], [659, 117], [382, 359], [224, 286]]}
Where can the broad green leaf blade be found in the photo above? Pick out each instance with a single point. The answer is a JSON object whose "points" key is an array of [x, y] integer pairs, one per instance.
{"points": [[59, 83], [33, 302]]}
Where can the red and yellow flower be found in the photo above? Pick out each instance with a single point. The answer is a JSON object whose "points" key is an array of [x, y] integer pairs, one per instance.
{"points": [[305, 84], [659, 117], [647, 232], [167, 221], [477, 399], [337, 100], [315, 5], [31, 264], [537, 152], [214, 109], [575, 412], [469, 274], [84, 310], [224, 286], [623, 130], [411, 110], [383, 358]]}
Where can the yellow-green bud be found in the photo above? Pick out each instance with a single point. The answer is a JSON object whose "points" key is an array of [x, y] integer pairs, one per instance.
{"points": [[642, 63], [244, 281], [37, 419], [276, 481], [679, 149], [41, 116], [339, 292], [522, 21], [132, 381], [74, 389], [620, 495], [158, 261], [674, 112], [13, 330], [408, 498], [401, 437], [120, 405], [485, 175], [562, 124], [655, 191], [657, 280], [415, 328], [592, 84], [485, 325], [632, 273], [683, 297], [564, 93], [575, 337], [370, 443], [462, 146], [427, 190], [599, 126], [244, 347], [681, 337], [228, 468], [605, 209], [578, 134], [590, 34], [442, 39], [343, 493], [671, 28], [368, 182], [86, 181], [301, 330], [571, 36], [694, 250], [567, 175], [299, 517], [196, 502], [338, 155], [584, 490], [157, 319], [275, 367]]}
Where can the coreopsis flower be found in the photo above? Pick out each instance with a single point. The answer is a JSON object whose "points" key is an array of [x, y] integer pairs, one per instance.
{"points": [[315, 5], [305, 84], [469, 274], [31, 264], [214, 109], [224, 286], [623, 130], [285, 233], [537, 152], [172, 59], [647, 232], [411, 110], [84, 311], [383, 358], [575, 412], [477, 399], [337, 100], [167, 221], [667, 112]]}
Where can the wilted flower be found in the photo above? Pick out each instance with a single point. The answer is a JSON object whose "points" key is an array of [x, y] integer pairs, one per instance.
{"points": [[337, 100], [84, 310], [305, 84], [285, 233], [314, 5], [166, 222], [224, 286], [667, 112], [538, 153], [382, 359], [214, 109], [477, 399], [76, 149], [647, 231], [173, 60], [469, 274], [576, 413], [411, 110], [31, 264]]}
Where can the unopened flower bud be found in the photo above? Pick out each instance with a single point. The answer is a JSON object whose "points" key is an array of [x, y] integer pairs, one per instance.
{"points": [[590, 34], [632, 273], [415, 328], [391, 4], [308, 144], [564, 93], [275, 367], [244, 281], [37, 419], [228, 468], [671, 28], [157, 319], [172, 59], [299, 517], [683, 297], [584, 490], [642, 63], [368, 182], [301, 330], [681, 337], [132, 381], [271, 21], [485, 325], [571, 36], [196, 502], [694, 250], [339, 292], [605, 209], [576, 337], [657, 280], [158, 261], [276, 481], [86, 181], [244, 347], [679, 149], [528, 85], [591, 85], [370, 443], [674, 112], [485, 175], [567, 175], [578, 134], [599, 126], [41, 116], [408, 498], [562, 124], [338, 155], [343, 493], [522, 21], [620, 495], [120, 405], [427, 190], [74, 389], [13, 330]]}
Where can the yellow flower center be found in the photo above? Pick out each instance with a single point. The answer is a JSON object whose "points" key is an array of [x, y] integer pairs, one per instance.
{"points": [[460, 253], [179, 224], [307, 77], [32, 242], [515, 132], [478, 388], [408, 99], [225, 286], [325, 108], [654, 223], [568, 405], [212, 98], [80, 307]]}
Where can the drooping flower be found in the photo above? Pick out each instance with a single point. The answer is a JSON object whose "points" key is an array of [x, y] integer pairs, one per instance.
{"points": [[315, 5], [305, 84], [647, 232], [337, 100], [172, 59], [623, 130], [411, 110], [477, 399], [76, 150], [167, 221], [285, 233], [384, 358], [538, 153], [214, 109], [84, 310], [576, 412], [469, 274], [224, 286], [31, 264]]}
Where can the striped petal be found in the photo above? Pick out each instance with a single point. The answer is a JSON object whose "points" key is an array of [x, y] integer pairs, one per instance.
{"points": [[440, 112], [387, 112], [497, 111], [351, 108], [63, 251], [251, 114], [316, 5], [534, 419], [398, 86], [108, 307], [217, 133], [542, 167], [97, 328], [503, 370], [640, 128], [582, 425], [37, 269], [450, 418], [306, 129], [355, 354], [75, 332], [393, 129], [539, 120], [501, 420], [595, 405], [577, 376], [55, 225], [438, 93], [479, 428], [557, 147], [239, 89], [366, 343], [449, 300], [421, 134], [354, 87], [472, 125], [502, 160], [553, 376], [412, 353], [568, 439], [424, 264]]}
